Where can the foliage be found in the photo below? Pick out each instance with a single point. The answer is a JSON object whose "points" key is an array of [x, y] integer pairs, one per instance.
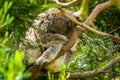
{"points": [[94, 51], [62, 74], [5, 18], [106, 21], [11, 67]]}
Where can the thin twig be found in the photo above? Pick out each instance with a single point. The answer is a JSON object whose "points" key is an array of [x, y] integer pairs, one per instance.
{"points": [[114, 30]]}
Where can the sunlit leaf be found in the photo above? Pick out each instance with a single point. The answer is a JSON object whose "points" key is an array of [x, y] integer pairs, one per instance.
{"points": [[117, 3], [7, 22], [5, 7]]}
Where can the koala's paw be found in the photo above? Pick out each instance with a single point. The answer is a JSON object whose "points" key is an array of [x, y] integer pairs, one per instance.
{"points": [[40, 62]]}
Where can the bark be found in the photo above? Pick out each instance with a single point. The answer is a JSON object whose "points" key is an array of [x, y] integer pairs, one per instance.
{"points": [[99, 8]]}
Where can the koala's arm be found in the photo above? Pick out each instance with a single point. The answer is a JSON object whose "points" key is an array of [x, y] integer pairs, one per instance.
{"points": [[49, 54], [53, 43]]}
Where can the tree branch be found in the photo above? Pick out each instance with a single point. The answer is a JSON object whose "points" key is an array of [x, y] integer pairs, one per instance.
{"points": [[71, 42], [95, 72], [99, 8], [65, 5], [73, 19], [36, 72]]}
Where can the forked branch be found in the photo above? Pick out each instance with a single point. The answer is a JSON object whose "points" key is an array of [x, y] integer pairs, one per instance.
{"points": [[73, 19], [99, 8]]}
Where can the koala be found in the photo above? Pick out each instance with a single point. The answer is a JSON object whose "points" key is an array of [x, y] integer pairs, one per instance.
{"points": [[34, 45], [42, 44], [44, 50]]}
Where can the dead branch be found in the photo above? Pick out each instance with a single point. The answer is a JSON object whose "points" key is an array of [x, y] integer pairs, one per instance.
{"points": [[95, 72], [68, 4], [73, 19]]}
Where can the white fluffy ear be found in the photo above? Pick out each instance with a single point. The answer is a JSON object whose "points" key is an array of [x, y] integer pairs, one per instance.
{"points": [[39, 20]]}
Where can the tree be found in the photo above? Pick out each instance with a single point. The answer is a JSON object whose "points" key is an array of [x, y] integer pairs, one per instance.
{"points": [[85, 25], [97, 57]]}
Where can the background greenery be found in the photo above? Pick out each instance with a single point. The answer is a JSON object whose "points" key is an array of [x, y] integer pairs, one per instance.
{"points": [[93, 51]]}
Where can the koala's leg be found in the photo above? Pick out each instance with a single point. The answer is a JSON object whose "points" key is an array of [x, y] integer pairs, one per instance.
{"points": [[50, 54]]}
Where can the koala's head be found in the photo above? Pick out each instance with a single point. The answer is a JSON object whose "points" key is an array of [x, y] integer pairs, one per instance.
{"points": [[39, 20], [53, 21]]}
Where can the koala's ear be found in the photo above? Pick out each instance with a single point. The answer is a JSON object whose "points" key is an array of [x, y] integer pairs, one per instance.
{"points": [[41, 16], [40, 19]]}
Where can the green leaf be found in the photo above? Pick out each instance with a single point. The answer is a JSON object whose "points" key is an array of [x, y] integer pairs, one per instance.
{"points": [[5, 8], [48, 6], [26, 75], [7, 17], [1, 14], [8, 21], [31, 1]]}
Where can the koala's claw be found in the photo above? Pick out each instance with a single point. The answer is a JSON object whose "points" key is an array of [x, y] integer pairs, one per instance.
{"points": [[40, 62]]}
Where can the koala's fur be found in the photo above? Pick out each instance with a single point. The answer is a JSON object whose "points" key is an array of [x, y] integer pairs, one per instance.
{"points": [[43, 46]]}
